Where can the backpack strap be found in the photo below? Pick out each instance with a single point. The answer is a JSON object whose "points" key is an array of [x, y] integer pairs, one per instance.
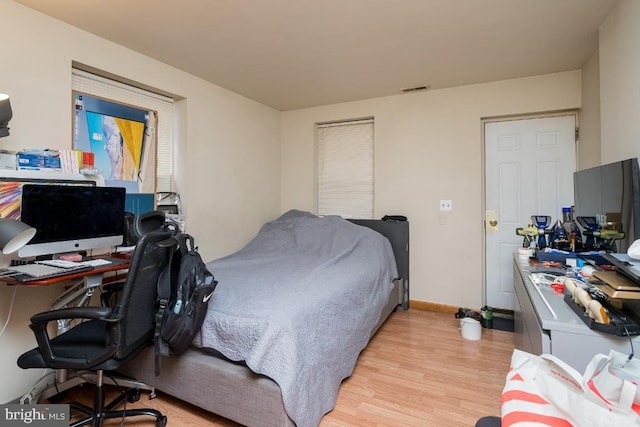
{"points": [[186, 243], [183, 240], [164, 294]]}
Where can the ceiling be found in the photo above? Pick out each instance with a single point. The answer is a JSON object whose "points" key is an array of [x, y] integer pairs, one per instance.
{"points": [[292, 54]]}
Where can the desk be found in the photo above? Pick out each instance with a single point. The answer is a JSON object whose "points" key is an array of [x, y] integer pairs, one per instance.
{"points": [[80, 293], [544, 323], [116, 264], [77, 295]]}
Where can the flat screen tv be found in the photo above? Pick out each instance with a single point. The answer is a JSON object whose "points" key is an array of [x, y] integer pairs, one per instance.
{"points": [[115, 133], [72, 218], [612, 190]]}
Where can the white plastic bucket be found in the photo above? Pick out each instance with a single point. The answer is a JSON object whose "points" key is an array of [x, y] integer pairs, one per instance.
{"points": [[470, 328]]}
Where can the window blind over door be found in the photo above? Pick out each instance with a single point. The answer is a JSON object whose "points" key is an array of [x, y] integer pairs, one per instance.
{"points": [[102, 87], [345, 169]]}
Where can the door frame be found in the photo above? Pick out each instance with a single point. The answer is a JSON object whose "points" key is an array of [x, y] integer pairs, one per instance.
{"points": [[513, 117]]}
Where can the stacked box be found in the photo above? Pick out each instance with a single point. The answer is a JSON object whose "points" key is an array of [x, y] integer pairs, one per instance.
{"points": [[7, 160], [35, 162]]}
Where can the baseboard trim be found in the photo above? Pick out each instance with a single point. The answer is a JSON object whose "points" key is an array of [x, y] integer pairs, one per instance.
{"points": [[443, 308], [430, 306]]}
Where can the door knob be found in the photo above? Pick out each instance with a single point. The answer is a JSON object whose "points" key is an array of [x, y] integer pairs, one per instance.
{"points": [[491, 222]]}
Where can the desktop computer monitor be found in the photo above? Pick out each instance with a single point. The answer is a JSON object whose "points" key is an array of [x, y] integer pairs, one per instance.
{"points": [[72, 218]]}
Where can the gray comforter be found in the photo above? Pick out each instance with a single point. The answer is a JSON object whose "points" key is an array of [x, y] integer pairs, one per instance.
{"points": [[299, 303]]}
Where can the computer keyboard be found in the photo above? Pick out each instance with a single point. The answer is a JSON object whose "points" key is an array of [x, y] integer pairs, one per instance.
{"points": [[61, 263], [30, 272]]}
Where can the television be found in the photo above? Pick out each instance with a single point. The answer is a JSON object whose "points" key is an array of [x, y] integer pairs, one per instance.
{"points": [[611, 191], [72, 218], [116, 134]]}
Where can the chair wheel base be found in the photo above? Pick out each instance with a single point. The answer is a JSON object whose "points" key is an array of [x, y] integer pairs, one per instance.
{"points": [[134, 396]]}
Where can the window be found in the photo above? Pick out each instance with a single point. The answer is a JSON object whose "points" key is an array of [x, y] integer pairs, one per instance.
{"points": [[345, 169], [93, 84]]}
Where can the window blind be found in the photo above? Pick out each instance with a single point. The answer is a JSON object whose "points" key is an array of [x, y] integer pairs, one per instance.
{"points": [[99, 86], [345, 169]]}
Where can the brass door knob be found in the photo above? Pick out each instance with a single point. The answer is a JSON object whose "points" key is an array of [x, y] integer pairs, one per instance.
{"points": [[493, 222]]}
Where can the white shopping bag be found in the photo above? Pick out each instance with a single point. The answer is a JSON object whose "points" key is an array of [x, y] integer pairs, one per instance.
{"points": [[545, 391], [614, 379]]}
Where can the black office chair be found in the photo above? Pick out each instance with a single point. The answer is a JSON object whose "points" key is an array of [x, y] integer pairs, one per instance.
{"points": [[488, 422], [148, 222], [109, 336]]}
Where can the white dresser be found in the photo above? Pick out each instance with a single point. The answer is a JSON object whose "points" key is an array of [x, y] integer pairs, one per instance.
{"points": [[544, 323]]}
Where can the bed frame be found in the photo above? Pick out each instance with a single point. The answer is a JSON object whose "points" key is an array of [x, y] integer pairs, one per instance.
{"points": [[208, 380]]}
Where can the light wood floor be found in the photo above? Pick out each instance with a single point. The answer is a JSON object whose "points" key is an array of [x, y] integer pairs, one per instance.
{"points": [[416, 371]]}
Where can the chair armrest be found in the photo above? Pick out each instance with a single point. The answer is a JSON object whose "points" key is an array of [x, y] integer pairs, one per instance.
{"points": [[108, 293], [70, 313], [40, 321]]}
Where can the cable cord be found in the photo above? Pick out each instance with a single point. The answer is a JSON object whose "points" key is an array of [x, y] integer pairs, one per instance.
{"points": [[13, 299], [630, 340], [29, 396]]}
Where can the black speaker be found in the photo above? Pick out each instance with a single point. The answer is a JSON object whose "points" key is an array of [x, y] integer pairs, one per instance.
{"points": [[130, 237]]}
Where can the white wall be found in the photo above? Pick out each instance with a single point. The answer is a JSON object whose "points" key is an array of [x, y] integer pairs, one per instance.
{"points": [[589, 117], [428, 146], [229, 147], [620, 82]]}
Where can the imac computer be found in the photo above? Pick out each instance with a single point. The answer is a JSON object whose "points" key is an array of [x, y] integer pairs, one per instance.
{"points": [[70, 218]]}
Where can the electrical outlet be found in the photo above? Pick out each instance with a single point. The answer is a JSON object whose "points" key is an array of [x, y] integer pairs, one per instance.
{"points": [[446, 205]]}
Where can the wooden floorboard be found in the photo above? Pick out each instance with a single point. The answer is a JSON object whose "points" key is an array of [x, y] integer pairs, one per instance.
{"points": [[416, 371]]}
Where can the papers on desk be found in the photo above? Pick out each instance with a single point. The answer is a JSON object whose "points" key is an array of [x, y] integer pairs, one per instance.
{"points": [[96, 262]]}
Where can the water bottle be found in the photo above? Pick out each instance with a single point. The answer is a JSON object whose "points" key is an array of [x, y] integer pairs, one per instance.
{"points": [[487, 317]]}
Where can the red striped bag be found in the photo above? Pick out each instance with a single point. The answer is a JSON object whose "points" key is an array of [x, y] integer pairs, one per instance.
{"points": [[545, 391]]}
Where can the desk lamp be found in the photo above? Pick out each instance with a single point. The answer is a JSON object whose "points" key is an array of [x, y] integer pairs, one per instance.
{"points": [[5, 114], [14, 234]]}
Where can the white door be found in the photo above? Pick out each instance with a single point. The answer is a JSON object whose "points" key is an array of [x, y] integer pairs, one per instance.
{"points": [[529, 167]]}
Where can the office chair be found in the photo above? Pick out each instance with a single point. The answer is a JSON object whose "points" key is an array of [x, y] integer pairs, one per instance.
{"points": [[136, 227], [109, 336], [148, 222], [488, 422]]}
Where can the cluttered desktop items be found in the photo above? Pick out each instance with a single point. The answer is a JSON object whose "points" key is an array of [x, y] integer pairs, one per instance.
{"points": [[591, 272], [605, 216], [593, 234], [590, 244]]}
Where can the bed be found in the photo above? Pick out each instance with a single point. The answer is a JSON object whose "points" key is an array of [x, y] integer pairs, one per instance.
{"points": [[339, 279]]}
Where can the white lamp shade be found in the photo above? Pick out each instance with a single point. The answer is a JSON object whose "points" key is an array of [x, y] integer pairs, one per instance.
{"points": [[14, 235]]}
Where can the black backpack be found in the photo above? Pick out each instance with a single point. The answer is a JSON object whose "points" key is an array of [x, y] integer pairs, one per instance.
{"points": [[184, 290]]}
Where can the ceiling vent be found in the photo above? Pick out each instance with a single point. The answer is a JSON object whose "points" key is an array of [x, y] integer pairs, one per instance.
{"points": [[415, 89]]}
